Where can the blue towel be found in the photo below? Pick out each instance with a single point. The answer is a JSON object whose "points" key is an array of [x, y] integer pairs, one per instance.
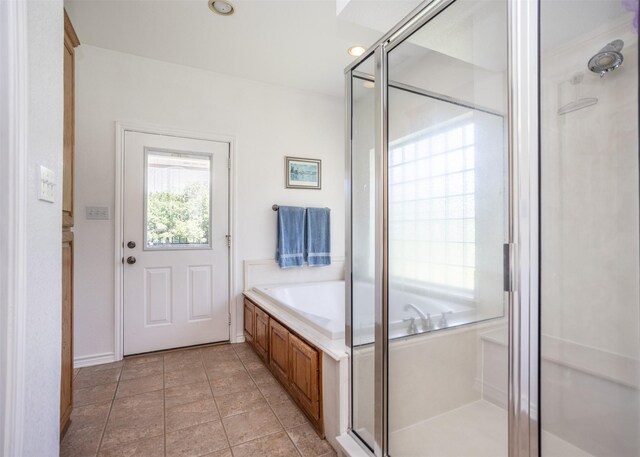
{"points": [[290, 250], [318, 237]]}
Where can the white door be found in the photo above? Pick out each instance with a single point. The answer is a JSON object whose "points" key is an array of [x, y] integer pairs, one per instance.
{"points": [[176, 255]]}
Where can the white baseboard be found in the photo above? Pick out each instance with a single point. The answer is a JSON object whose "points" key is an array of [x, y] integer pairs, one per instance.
{"points": [[95, 359], [240, 338]]}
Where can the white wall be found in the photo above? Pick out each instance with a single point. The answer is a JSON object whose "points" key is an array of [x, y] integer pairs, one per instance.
{"points": [[43, 310], [268, 122]]}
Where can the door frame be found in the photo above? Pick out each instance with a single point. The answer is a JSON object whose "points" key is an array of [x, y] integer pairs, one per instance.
{"points": [[13, 213], [121, 128]]}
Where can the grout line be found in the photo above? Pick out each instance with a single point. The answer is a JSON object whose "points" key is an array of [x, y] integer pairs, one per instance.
{"points": [[113, 399], [224, 430]]}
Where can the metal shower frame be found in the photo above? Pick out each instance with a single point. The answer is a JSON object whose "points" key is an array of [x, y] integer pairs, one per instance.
{"points": [[522, 248]]}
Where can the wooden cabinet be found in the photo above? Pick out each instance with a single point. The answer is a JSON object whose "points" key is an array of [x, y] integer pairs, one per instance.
{"points": [[303, 375], [296, 363], [66, 384], [279, 350], [249, 314], [261, 334], [66, 377]]}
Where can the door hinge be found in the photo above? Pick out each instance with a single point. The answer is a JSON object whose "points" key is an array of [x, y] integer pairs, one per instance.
{"points": [[509, 267], [229, 162], [229, 320], [228, 240]]}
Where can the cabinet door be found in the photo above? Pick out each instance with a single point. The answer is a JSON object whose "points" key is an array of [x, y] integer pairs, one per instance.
{"points": [[261, 335], [304, 375], [249, 313], [279, 350], [66, 382]]}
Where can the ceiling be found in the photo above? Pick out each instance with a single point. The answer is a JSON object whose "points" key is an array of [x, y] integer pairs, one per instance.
{"points": [[300, 44]]}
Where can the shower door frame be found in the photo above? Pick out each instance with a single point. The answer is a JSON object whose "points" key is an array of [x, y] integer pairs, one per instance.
{"points": [[522, 249]]}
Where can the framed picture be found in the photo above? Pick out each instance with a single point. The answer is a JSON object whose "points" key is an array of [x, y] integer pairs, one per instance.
{"points": [[303, 173]]}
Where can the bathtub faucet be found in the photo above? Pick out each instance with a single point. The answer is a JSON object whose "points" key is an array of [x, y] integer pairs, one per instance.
{"points": [[425, 318]]}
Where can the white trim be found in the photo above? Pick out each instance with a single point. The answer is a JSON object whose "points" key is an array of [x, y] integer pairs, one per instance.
{"points": [[234, 291], [95, 359], [13, 269]]}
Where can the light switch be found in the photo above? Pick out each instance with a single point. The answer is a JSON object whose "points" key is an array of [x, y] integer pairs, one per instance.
{"points": [[46, 191], [98, 213]]}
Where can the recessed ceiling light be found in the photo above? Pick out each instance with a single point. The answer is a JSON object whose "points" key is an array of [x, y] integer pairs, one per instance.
{"points": [[221, 7], [356, 51]]}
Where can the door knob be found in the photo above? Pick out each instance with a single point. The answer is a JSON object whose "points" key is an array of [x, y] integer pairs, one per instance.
{"points": [[131, 260], [131, 244]]}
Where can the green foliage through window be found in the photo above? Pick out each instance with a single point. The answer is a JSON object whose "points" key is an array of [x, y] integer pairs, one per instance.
{"points": [[178, 217]]}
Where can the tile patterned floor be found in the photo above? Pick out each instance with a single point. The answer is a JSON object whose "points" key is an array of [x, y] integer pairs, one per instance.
{"points": [[218, 401]]}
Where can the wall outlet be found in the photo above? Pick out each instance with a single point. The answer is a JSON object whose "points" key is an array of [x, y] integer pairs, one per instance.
{"points": [[47, 185], [98, 213]]}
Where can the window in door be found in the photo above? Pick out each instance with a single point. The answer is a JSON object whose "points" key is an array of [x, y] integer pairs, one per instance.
{"points": [[177, 200]]}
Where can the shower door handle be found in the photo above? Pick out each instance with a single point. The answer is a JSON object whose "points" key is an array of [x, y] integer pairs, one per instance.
{"points": [[508, 267]]}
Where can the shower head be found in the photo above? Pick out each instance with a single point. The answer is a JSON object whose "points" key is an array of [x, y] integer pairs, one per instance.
{"points": [[607, 59]]}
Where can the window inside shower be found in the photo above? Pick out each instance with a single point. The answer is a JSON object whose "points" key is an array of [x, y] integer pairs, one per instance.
{"points": [[432, 208]]}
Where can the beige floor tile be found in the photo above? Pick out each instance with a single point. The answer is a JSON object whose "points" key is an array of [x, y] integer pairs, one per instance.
{"points": [[251, 425], [149, 403], [134, 371], [150, 447], [81, 443], [132, 428], [141, 359], [197, 440], [241, 347], [276, 445], [187, 393], [104, 366], [89, 416], [289, 414], [139, 385], [95, 394], [185, 376], [217, 370], [330, 454], [265, 379], [232, 404], [220, 453], [182, 359], [248, 356], [189, 414], [274, 393], [217, 356], [254, 366], [97, 377], [308, 442], [240, 382]]}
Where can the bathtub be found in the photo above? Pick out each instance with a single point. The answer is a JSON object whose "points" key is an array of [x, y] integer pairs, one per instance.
{"points": [[319, 304], [322, 306]]}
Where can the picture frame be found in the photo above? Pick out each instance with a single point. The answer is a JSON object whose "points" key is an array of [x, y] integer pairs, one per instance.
{"points": [[303, 173]]}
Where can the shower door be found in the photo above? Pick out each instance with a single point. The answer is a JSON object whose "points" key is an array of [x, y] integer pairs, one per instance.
{"points": [[429, 245]]}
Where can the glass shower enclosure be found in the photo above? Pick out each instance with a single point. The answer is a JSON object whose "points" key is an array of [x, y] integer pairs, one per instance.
{"points": [[492, 271]]}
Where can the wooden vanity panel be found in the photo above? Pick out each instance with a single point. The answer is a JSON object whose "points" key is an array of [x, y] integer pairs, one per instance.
{"points": [[303, 375], [279, 350], [296, 363], [249, 314], [261, 334]]}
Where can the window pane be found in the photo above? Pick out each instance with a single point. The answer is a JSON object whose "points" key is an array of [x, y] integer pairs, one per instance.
{"points": [[177, 200]]}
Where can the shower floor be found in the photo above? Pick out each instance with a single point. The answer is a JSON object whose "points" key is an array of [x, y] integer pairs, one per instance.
{"points": [[478, 429]]}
